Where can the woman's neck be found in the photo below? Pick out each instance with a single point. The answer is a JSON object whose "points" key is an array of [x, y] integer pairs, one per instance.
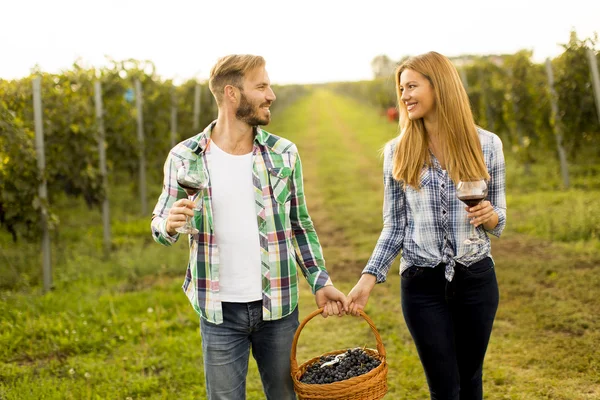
{"points": [[435, 144]]}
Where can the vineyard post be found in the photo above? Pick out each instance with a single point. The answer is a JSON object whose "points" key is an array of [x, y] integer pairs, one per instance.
{"points": [[463, 78], [595, 78], [140, 134], [103, 174], [197, 108], [173, 118], [518, 124], [562, 155], [43, 190], [485, 87]]}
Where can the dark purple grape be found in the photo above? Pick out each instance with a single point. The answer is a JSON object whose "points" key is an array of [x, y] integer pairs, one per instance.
{"points": [[351, 363]]}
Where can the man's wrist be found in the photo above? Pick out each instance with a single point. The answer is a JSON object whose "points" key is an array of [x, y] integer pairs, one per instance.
{"points": [[170, 233]]}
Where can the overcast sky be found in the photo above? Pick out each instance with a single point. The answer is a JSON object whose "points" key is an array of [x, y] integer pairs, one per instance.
{"points": [[303, 41]]}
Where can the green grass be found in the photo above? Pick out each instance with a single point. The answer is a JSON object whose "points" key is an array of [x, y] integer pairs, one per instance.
{"points": [[565, 216], [121, 328]]}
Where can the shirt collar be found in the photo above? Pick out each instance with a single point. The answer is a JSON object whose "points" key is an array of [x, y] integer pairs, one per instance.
{"points": [[203, 139]]}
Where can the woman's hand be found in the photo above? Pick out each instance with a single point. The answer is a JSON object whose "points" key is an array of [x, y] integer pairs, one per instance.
{"points": [[483, 214], [359, 295]]}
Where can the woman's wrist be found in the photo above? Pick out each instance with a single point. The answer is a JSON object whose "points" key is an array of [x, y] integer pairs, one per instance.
{"points": [[368, 280], [491, 223]]}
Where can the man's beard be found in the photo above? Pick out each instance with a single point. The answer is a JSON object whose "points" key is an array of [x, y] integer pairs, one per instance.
{"points": [[249, 114]]}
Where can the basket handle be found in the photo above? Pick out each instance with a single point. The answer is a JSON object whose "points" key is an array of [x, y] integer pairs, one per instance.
{"points": [[294, 362]]}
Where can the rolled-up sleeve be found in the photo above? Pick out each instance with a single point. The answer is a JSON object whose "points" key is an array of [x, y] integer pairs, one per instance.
{"points": [[169, 195], [497, 186]]}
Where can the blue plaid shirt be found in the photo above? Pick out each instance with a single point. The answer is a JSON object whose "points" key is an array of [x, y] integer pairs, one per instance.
{"points": [[430, 225]]}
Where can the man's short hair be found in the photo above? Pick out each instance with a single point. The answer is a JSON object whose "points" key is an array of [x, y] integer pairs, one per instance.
{"points": [[230, 70]]}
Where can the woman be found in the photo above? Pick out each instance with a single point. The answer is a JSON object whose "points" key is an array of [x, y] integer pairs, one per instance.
{"points": [[449, 291]]}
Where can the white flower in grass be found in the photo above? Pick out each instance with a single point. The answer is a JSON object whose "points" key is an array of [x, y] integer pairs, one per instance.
{"points": [[71, 371], [150, 310], [87, 375], [66, 331], [104, 330], [73, 331]]}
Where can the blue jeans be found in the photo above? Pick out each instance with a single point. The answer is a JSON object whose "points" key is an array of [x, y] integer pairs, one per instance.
{"points": [[451, 324], [226, 351]]}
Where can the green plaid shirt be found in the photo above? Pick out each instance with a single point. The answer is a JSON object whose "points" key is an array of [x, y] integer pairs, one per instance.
{"points": [[288, 240]]}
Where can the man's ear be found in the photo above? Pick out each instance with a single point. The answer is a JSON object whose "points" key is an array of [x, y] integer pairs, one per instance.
{"points": [[231, 93]]}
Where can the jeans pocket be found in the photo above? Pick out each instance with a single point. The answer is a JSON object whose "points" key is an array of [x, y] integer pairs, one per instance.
{"points": [[480, 267], [412, 272]]}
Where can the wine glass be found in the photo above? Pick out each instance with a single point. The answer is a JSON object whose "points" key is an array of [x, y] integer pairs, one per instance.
{"points": [[472, 193], [190, 181]]}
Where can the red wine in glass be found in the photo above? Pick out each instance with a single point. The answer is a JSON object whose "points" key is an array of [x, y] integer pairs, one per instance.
{"points": [[471, 201], [472, 193], [190, 181], [190, 191]]}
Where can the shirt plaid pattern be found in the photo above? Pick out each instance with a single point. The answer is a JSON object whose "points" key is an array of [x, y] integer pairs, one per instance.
{"points": [[288, 239], [430, 225]]}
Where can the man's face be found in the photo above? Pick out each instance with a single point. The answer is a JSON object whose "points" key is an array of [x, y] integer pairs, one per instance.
{"points": [[256, 98]]}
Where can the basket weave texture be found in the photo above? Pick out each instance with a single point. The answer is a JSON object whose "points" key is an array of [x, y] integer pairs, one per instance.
{"points": [[369, 386]]}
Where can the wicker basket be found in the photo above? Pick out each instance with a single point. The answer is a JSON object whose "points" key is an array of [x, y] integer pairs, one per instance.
{"points": [[370, 386]]}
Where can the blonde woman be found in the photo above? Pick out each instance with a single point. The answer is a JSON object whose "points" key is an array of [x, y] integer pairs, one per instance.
{"points": [[449, 292]]}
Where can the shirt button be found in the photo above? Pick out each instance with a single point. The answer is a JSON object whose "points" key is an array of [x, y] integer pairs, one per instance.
{"points": [[443, 185], [444, 212]]}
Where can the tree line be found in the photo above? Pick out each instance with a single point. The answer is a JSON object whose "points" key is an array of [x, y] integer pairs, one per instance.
{"points": [[71, 134], [511, 95]]}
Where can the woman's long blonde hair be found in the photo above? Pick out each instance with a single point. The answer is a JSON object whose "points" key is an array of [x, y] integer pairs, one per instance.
{"points": [[458, 135]]}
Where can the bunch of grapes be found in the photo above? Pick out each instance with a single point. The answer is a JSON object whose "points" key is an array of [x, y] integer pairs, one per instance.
{"points": [[329, 369]]}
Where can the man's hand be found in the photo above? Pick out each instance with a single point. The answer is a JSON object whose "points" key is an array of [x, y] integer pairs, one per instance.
{"points": [[359, 295], [177, 214], [332, 300]]}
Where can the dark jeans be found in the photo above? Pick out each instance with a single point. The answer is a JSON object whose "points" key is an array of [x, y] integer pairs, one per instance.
{"points": [[226, 350], [451, 323]]}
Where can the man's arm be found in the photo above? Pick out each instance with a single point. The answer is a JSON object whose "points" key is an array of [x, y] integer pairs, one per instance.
{"points": [[306, 241], [172, 207]]}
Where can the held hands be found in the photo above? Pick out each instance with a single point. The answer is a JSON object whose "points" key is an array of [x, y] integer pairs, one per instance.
{"points": [[483, 214], [332, 300], [177, 214], [359, 295]]}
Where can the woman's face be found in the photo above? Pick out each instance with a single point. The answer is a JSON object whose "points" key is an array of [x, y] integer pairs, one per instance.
{"points": [[417, 95]]}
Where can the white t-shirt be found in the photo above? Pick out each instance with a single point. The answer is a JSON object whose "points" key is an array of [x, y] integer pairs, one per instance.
{"points": [[236, 226]]}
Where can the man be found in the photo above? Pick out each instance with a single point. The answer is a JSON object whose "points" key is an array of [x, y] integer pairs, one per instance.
{"points": [[254, 233]]}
